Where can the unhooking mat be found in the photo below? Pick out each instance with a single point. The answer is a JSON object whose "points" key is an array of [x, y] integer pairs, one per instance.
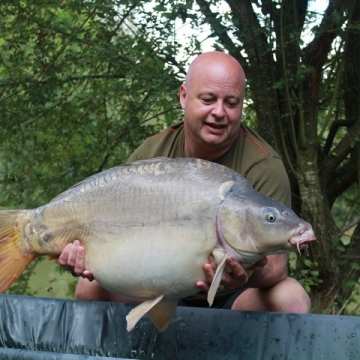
{"points": [[39, 328]]}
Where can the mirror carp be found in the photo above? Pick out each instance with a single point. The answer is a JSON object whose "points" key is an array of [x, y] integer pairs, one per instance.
{"points": [[149, 227]]}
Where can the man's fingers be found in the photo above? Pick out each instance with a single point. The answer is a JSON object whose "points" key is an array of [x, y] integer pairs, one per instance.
{"points": [[236, 278], [87, 274], [80, 260], [72, 258], [230, 280], [71, 261], [202, 285], [209, 272], [63, 258], [212, 263]]}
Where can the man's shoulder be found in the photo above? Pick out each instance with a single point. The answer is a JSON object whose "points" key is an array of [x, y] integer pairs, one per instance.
{"points": [[169, 133], [254, 158], [248, 151], [169, 143], [254, 143]]}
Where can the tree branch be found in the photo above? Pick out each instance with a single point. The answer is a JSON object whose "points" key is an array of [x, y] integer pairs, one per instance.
{"points": [[250, 32], [344, 177], [67, 43], [220, 31], [315, 54], [340, 152], [332, 133], [316, 51]]}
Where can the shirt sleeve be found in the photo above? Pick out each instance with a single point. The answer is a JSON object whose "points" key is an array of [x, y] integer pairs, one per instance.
{"points": [[138, 154]]}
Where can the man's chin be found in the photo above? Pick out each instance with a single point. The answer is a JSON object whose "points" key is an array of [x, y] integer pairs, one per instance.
{"points": [[213, 139]]}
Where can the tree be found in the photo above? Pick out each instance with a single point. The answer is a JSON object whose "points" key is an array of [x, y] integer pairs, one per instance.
{"points": [[306, 99]]}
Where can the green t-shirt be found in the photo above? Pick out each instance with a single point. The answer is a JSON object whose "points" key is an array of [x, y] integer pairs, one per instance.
{"points": [[250, 155]]}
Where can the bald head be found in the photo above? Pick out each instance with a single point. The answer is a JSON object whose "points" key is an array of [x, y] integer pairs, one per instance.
{"points": [[216, 62], [212, 100]]}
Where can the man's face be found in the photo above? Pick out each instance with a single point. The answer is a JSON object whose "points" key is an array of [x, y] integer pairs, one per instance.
{"points": [[212, 100]]}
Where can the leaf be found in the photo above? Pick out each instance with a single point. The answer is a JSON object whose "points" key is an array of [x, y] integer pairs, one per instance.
{"points": [[308, 263], [355, 266], [351, 283]]}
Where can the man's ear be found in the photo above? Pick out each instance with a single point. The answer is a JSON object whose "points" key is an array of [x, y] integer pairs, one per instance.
{"points": [[182, 95]]}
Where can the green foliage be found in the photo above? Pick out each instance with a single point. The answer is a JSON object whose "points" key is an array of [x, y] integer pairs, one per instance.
{"points": [[21, 286], [80, 89], [78, 94], [307, 273]]}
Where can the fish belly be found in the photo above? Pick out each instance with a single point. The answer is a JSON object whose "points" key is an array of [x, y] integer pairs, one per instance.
{"points": [[149, 261]]}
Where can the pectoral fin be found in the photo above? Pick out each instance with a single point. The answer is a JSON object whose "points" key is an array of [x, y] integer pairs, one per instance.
{"points": [[158, 310], [216, 280]]}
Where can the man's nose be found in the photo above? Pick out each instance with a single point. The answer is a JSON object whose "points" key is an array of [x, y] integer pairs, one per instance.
{"points": [[218, 109]]}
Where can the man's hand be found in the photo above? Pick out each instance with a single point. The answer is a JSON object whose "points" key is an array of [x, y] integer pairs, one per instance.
{"points": [[72, 258], [235, 279]]}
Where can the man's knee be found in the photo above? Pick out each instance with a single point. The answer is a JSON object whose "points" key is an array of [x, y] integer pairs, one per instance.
{"points": [[286, 296], [292, 296]]}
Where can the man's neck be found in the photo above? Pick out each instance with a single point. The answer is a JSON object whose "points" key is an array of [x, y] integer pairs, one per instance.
{"points": [[204, 153]]}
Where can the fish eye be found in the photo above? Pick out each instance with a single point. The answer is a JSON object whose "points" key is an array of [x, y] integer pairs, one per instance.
{"points": [[271, 217]]}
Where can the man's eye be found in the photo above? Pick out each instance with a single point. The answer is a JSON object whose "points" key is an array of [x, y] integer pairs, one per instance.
{"points": [[207, 100], [232, 104]]}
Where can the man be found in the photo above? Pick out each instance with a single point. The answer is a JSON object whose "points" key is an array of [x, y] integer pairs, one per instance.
{"points": [[212, 99]]}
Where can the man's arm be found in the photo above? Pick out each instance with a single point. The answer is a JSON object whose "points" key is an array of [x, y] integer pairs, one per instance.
{"points": [[273, 272]]}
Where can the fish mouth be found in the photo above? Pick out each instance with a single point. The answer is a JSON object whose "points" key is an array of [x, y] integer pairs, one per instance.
{"points": [[303, 248], [302, 237]]}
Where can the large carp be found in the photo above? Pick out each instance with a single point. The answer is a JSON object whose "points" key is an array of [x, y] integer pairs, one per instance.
{"points": [[149, 227]]}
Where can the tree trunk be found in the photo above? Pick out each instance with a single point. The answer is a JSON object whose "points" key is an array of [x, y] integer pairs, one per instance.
{"points": [[287, 84]]}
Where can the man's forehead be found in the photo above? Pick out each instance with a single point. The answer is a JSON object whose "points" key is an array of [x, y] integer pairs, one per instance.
{"points": [[215, 79], [217, 85]]}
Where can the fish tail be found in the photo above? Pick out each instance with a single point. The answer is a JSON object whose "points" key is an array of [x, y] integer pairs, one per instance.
{"points": [[13, 260]]}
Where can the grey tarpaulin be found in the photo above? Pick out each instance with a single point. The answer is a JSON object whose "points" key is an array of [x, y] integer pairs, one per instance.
{"points": [[38, 328]]}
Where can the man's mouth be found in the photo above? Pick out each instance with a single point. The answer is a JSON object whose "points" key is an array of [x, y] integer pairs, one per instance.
{"points": [[216, 126]]}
